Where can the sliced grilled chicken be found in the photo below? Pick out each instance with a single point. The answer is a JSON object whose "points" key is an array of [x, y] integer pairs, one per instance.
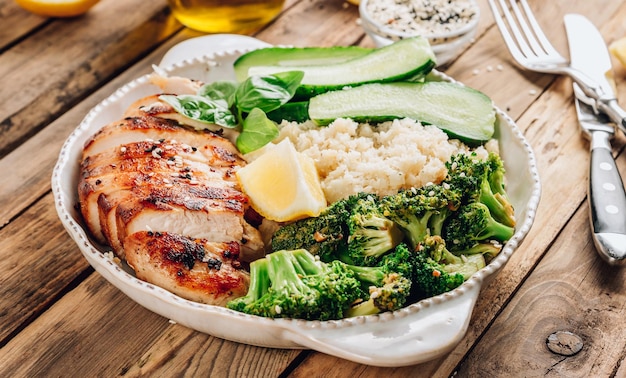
{"points": [[195, 269], [154, 107], [147, 128], [166, 199], [146, 164], [196, 211]]}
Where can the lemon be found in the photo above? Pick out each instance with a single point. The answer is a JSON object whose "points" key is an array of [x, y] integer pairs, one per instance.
{"points": [[618, 49], [57, 8], [283, 184]]}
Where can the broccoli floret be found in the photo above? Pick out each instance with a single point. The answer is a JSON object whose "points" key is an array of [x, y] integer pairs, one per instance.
{"points": [[390, 294], [259, 283], [420, 212], [325, 235], [435, 248], [389, 284], [431, 278], [481, 181], [371, 234], [299, 286], [473, 224], [437, 270]]}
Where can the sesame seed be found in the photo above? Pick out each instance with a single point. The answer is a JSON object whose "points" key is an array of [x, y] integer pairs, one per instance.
{"points": [[422, 17], [532, 92]]}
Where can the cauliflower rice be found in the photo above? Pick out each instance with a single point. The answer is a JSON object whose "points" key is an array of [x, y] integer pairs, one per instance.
{"points": [[352, 158]]}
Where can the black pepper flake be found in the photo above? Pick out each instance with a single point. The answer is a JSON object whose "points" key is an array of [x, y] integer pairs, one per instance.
{"points": [[98, 182], [214, 263]]}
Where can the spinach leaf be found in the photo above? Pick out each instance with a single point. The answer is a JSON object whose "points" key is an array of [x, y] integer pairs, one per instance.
{"points": [[267, 92], [202, 109], [257, 131]]}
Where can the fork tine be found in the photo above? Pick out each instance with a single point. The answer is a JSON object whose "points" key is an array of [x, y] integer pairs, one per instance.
{"points": [[519, 36], [545, 43], [509, 40], [528, 33]]}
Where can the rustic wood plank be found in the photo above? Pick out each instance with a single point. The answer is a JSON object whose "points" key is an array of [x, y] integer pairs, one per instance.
{"points": [[37, 262], [315, 23], [88, 50], [17, 23]]}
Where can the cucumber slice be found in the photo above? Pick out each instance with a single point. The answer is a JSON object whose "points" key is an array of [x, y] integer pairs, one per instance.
{"points": [[462, 112], [295, 56], [401, 60]]}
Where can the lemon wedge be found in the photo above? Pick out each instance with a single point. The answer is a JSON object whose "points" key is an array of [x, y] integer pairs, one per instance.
{"points": [[618, 49], [283, 184], [57, 8]]}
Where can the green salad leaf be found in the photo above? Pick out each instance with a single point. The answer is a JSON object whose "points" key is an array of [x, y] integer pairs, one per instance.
{"points": [[229, 104], [268, 92], [258, 130], [203, 109], [220, 90]]}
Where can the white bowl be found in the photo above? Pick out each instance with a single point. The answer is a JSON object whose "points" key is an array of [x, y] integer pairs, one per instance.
{"points": [[417, 333], [446, 45]]}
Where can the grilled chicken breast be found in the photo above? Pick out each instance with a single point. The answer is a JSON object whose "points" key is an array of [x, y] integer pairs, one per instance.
{"points": [[166, 199], [148, 128], [195, 269], [154, 107]]}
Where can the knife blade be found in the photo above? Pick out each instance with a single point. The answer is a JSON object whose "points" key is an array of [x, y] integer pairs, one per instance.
{"points": [[606, 194], [589, 54]]}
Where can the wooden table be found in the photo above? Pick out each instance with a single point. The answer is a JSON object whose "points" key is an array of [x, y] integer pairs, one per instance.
{"points": [[60, 318]]}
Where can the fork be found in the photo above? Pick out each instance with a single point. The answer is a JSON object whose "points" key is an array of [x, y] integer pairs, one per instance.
{"points": [[532, 50]]}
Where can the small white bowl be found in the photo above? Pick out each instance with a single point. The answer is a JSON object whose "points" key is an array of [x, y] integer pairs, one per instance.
{"points": [[446, 45]]}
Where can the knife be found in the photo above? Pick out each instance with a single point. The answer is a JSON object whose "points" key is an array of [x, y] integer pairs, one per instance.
{"points": [[588, 54], [607, 197]]}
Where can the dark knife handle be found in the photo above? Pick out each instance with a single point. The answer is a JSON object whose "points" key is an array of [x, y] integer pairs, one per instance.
{"points": [[607, 200]]}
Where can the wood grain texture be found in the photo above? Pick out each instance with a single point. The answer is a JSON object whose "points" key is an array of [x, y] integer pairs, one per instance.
{"points": [[37, 263], [16, 23], [67, 59]]}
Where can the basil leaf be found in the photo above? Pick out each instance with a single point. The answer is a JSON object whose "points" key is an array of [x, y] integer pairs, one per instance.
{"points": [[257, 131], [202, 109], [219, 90], [267, 92]]}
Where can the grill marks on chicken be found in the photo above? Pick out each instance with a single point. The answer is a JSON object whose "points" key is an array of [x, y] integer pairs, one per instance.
{"points": [[166, 199], [195, 269]]}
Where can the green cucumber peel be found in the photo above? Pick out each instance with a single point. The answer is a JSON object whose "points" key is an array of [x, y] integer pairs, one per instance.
{"points": [[460, 111]]}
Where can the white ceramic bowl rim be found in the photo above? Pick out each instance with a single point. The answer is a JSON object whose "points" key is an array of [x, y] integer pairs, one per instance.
{"points": [[394, 34]]}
